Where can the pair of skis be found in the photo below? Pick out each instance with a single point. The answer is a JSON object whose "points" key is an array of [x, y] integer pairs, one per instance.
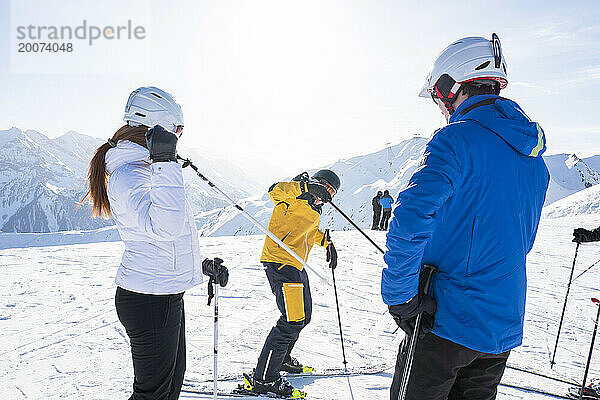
{"points": [[194, 386], [247, 389]]}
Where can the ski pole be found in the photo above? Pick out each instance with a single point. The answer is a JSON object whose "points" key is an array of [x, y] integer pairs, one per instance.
{"points": [[188, 162], [337, 306], [413, 339], [587, 366], [586, 270], [562, 316], [216, 340], [356, 227]]}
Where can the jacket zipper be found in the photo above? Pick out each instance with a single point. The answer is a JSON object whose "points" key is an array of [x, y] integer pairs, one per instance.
{"points": [[174, 256]]}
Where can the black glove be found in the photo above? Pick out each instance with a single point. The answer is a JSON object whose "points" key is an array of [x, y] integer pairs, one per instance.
{"points": [[303, 177], [581, 235], [162, 144], [331, 257], [216, 271], [320, 191], [405, 314]]}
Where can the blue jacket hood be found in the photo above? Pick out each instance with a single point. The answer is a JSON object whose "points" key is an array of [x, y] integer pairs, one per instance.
{"points": [[506, 119]]}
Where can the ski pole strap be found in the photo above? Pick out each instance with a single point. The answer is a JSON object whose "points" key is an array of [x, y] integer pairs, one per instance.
{"points": [[211, 290]]}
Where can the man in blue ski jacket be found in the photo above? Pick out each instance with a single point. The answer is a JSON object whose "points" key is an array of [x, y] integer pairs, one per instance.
{"points": [[386, 202], [471, 210]]}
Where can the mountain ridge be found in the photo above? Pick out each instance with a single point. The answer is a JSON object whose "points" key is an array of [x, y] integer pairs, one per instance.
{"points": [[43, 181]]}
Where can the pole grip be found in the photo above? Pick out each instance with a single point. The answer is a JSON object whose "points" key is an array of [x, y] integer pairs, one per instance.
{"points": [[216, 341]]}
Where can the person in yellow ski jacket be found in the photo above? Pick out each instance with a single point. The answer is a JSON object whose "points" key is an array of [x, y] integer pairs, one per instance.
{"points": [[295, 221]]}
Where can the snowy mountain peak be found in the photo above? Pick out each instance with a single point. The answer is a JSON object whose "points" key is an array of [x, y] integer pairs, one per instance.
{"points": [[42, 181], [589, 177], [570, 174], [362, 176]]}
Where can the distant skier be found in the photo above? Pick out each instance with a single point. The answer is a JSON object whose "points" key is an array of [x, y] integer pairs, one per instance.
{"points": [[376, 210], [295, 220], [386, 202], [145, 196], [472, 210], [581, 235]]}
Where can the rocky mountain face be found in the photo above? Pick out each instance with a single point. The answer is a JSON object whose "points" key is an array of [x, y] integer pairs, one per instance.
{"points": [[569, 174], [42, 181]]}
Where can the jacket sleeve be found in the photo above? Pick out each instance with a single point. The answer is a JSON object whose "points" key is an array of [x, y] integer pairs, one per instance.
{"points": [[414, 218], [320, 239], [286, 191], [157, 208]]}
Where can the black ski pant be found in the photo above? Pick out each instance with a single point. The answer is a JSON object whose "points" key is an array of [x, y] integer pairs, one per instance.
{"points": [[387, 213], [444, 370], [376, 218], [292, 294], [155, 325]]}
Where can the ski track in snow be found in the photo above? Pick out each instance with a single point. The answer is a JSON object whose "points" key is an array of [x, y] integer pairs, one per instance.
{"points": [[60, 337]]}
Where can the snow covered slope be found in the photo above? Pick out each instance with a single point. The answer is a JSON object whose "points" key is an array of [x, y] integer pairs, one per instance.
{"points": [[593, 162], [570, 174], [584, 202], [361, 176], [60, 337], [42, 180], [390, 168]]}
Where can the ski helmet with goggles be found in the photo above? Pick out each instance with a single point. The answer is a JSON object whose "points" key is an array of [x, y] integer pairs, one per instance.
{"points": [[466, 60], [150, 106], [329, 179]]}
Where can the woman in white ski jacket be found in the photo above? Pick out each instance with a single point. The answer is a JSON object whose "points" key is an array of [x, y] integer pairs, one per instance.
{"points": [[135, 178]]}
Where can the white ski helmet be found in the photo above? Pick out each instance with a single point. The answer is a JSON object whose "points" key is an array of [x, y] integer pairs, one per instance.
{"points": [[467, 59], [150, 106]]}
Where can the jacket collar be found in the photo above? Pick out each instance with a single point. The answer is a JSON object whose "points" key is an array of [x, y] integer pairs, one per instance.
{"points": [[126, 152], [461, 110]]}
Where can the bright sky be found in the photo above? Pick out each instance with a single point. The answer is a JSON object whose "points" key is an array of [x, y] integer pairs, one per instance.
{"points": [[304, 83]]}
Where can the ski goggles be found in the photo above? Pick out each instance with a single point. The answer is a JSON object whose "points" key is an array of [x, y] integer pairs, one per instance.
{"points": [[329, 188], [445, 89]]}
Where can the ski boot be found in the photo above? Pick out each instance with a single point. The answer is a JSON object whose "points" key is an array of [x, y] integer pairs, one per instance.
{"points": [[591, 391], [292, 366], [279, 388]]}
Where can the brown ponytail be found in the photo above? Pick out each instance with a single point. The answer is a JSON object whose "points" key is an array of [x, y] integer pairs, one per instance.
{"points": [[98, 177]]}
